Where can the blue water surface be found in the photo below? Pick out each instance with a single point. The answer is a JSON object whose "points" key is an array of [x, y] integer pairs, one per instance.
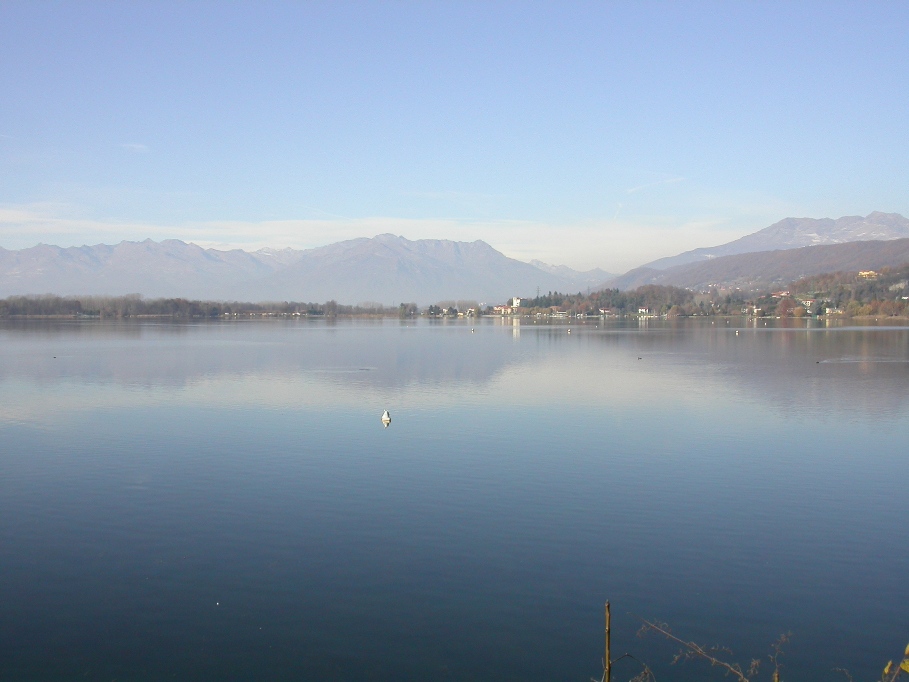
{"points": [[221, 501]]}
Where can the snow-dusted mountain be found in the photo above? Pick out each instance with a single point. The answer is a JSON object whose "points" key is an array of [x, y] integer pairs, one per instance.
{"points": [[793, 233], [386, 268], [579, 279]]}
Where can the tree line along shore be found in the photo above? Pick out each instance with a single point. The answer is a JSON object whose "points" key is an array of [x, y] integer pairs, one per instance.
{"points": [[848, 294]]}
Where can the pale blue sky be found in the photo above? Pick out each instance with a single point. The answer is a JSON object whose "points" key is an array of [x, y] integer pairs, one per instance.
{"points": [[590, 134]]}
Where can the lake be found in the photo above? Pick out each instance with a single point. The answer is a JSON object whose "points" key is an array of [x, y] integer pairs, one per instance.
{"points": [[220, 500]]}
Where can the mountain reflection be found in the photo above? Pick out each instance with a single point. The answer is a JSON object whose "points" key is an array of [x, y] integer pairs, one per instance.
{"points": [[806, 369]]}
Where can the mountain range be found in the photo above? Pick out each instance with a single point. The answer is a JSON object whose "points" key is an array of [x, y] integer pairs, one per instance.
{"points": [[385, 269], [793, 233], [389, 269], [764, 270], [779, 254]]}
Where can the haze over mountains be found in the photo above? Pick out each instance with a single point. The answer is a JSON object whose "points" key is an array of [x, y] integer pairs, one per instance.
{"points": [[581, 280], [389, 269], [385, 269]]}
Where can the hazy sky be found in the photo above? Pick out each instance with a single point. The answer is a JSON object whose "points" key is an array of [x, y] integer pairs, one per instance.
{"points": [[590, 134]]}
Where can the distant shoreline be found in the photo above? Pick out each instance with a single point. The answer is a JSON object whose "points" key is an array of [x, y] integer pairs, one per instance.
{"points": [[379, 316]]}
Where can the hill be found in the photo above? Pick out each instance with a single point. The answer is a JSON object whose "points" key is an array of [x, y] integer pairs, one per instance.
{"points": [[769, 269], [792, 233]]}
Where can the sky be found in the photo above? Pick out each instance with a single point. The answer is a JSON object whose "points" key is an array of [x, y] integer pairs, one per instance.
{"points": [[601, 134]]}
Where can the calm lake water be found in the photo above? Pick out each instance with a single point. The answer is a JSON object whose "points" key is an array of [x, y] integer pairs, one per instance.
{"points": [[221, 501]]}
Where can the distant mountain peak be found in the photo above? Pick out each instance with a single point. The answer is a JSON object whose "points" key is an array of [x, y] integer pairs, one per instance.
{"points": [[389, 237], [580, 279]]}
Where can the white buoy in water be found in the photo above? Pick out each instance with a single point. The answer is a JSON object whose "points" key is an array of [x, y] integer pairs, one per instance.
{"points": [[386, 418]]}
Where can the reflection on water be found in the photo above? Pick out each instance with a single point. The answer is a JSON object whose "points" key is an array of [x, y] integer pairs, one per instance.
{"points": [[270, 363], [221, 500]]}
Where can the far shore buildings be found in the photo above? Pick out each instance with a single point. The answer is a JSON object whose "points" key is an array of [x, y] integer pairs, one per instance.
{"points": [[508, 309]]}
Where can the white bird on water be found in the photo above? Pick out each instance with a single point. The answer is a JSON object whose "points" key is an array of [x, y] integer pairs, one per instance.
{"points": [[386, 418]]}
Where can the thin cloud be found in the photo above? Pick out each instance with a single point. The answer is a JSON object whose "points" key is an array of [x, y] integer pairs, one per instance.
{"points": [[136, 147]]}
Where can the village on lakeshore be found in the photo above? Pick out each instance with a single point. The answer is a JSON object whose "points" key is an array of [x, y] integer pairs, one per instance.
{"points": [[883, 293]]}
